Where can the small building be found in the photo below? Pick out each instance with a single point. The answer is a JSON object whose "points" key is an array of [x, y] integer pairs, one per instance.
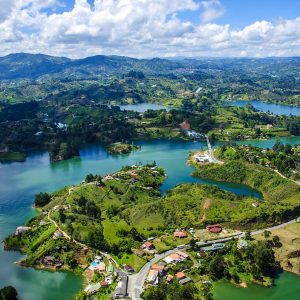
{"points": [[128, 269], [159, 268], [100, 267], [169, 278], [140, 253], [180, 234], [185, 280], [183, 254], [242, 244], [216, 228], [172, 258], [103, 284], [180, 275], [255, 204], [148, 245], [152, 277], [109, 280], [22, 229], [58, 234]]}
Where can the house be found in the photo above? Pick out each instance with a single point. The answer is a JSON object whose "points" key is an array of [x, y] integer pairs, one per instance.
{"points": [[22, 229], [100, 267], [152, 277], [58, 234], [103, 284], [216, 228], [185, 280], [255, 204], [180, 234], [128, 269], [108, 177], [148, 245], [172, 258], [185, 125], [180, 275], [159, 268], [140, 253], [214, 247], [242, 244], [183, 254], [169, 278]]}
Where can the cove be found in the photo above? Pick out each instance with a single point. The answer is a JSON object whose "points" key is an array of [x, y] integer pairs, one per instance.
{"points": [[276, 109], [20, 181]]}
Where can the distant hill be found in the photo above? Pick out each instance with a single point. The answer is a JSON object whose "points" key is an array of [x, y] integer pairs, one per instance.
{"points": [[32, 66]]}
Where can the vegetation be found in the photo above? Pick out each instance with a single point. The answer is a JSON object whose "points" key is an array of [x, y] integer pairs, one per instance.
{"points": [[122, 148], [12, 157], [8, 293]]}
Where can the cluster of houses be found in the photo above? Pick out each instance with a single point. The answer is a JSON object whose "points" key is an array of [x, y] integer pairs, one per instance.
{"points": [[159, 270], [97, 265]]}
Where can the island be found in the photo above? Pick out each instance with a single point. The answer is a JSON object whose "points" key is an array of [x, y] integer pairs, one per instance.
{"points": [[122, 148]]}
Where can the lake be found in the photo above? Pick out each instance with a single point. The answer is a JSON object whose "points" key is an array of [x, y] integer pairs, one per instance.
{"points": [[277, 109], [20, 181]]}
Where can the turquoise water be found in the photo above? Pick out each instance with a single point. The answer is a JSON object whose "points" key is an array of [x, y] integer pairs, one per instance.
{"points": [[20, 181], [277, 109]]}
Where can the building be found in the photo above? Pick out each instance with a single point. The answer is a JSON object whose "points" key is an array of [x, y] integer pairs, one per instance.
{"points": [[148, 245], [22, 229], [180, 275], [185, 280], [169, 278], [216, 228], [100, 267], [255, 204], [152, 277], [242, 244], [183, 255], [128, 269], [172, 258], [180, 234], [213, 247], [140, 253], [159, 268], [58, 234], [110, 269]]}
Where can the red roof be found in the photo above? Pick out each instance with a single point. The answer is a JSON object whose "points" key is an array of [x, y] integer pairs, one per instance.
{"points": [[103, 283], [180, 275], [214, 228], [180, 234]]}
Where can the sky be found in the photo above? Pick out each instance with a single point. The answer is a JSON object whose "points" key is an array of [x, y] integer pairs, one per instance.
{"points": [[151, 28]]}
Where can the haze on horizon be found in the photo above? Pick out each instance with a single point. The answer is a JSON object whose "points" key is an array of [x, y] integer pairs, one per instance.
{"points": [[151, 28]]}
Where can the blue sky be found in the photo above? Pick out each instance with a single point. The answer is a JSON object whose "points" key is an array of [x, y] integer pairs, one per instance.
{"points": [[238, 13], [147, 28]]}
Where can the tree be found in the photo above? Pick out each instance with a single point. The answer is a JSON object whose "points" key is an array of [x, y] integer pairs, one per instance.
{"points": [[42, 199], [267, 234], [62, 216], [8, 293], [71, 261]]}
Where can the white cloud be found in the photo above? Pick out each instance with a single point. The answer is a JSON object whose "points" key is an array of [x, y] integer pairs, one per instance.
{"points": [[142, 28], [213, 9]]}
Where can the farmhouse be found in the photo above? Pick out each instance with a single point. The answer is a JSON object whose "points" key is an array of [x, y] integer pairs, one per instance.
{"points": [[216, 228], [148, 245], [180, 234]]}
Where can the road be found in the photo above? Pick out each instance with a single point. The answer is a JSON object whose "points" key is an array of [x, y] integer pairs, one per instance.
{"points": [[211, 152], [136, 281]]}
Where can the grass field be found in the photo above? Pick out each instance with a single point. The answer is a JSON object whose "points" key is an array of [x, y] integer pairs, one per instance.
{"points": [[290, 239]]}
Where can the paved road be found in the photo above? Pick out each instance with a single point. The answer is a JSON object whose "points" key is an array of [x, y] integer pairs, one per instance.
{"points": [[136, 281], [211, 152]]}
